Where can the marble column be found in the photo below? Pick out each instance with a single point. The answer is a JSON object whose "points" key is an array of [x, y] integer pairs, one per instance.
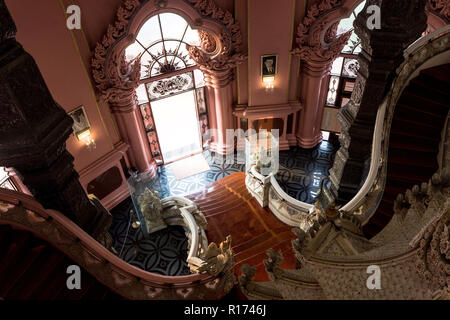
{"points": [[221, 83], [309, 133], [131, 128]]}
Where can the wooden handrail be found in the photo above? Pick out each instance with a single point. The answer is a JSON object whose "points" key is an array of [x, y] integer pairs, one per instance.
{"points": [[29, 203]]}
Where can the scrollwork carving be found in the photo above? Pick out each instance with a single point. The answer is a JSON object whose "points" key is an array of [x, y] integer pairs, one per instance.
{"points": [[309, 34], [107, 77], [217, 258], [440, 7]]}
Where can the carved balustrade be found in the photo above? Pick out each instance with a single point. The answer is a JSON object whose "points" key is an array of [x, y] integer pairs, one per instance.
{"points": [[213, 279]]}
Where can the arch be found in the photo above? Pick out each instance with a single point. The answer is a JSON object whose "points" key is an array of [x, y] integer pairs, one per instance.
{"points": [[117, 79], [109, 67], [316, 34]]}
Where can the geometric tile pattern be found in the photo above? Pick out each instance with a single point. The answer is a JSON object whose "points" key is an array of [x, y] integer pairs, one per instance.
{"points": [[163, 252], [302, 170], [172, 187]]}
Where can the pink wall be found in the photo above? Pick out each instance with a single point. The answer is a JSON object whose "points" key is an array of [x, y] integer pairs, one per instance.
{"points": [[270, 32], [43, 33]]}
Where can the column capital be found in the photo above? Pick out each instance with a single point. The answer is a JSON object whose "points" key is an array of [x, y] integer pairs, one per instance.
{"points": [[121, 100], [218, 78]]}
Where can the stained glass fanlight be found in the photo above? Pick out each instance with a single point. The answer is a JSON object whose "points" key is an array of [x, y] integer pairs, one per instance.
{"points": [[161, 45]]}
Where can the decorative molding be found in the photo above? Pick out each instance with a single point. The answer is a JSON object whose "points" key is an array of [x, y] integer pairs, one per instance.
{"points": [[117, 79], [210, 10], [314, 45], [113, 33], [441, 8]]}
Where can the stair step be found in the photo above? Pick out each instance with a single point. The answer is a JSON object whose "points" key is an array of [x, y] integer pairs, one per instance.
{"points": [[17, 243], [440, 73], [46, 266], [411, 146], [419, 159], [408, 112], [429, 90], [418, 101], [17, 269]]}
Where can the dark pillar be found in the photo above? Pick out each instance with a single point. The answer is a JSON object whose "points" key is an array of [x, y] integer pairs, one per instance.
{"points": [[33, 134], [402, 22]]}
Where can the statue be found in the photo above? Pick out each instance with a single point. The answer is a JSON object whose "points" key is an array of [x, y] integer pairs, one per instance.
{"points": [[151, 208]]}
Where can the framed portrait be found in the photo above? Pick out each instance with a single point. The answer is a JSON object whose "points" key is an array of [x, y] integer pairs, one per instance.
{"points": [[80, 120], [269, 64]]}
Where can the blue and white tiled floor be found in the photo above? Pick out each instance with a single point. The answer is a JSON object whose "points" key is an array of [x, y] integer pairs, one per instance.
{"points": [[302, 171], [163, 252], [300, 175], [172, 187]]}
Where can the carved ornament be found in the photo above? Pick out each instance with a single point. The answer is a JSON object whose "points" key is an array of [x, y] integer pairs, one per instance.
{"points": [[309, 34]]}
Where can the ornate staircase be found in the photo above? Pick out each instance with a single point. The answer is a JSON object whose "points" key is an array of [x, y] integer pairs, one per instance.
{"points": [[38, 245], [414, 140], [411, 252], [231, 210]]}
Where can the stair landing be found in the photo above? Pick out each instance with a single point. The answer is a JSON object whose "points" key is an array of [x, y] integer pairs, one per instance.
{"points": [[231, 210]]}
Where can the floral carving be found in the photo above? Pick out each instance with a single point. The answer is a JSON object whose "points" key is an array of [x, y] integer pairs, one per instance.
{"points": [[208, 8], [168, 86], [440, 7], [118, 79], [107, 78], [208, 43], [310, 30], [217, 258]]}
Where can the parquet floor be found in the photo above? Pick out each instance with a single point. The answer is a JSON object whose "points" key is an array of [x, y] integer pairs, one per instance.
{"points": [[231, 210]]}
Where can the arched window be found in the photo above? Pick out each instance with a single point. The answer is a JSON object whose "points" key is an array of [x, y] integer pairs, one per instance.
{"points": [[161, 45], [345, 67], [171, 96]]}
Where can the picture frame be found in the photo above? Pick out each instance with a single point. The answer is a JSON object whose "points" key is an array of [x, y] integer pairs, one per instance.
{"points": [[269, 65], [80, 120]]}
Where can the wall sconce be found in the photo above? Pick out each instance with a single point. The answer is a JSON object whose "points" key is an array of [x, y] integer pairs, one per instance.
{"points": [[82, 128], [86, 137], [268, 83]]}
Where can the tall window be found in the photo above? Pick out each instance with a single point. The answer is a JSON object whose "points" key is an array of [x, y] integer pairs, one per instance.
{"points": [[343, 74], [171, 100]]}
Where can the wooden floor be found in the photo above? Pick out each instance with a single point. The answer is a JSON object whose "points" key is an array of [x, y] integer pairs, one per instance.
{"points": [[231, 210]]}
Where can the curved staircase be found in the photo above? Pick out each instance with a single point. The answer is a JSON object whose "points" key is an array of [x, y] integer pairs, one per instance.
{"points": [[231, 210], [417, 125], [38, 245]]}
